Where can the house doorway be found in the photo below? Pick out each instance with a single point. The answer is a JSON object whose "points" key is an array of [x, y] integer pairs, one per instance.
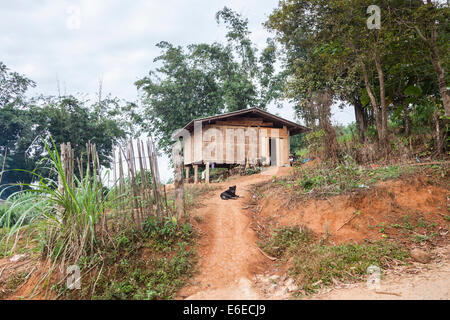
{"points": [[273, 151]]}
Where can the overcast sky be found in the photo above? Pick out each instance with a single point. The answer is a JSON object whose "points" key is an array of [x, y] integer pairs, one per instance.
{"points": [[82, 42]]}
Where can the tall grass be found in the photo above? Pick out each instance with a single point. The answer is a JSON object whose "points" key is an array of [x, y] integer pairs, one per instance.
{"points": [[20, 209], [74, 212]]}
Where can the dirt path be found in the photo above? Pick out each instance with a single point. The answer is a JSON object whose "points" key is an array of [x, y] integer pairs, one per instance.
{"points": [[230, 259], [229, 256]]}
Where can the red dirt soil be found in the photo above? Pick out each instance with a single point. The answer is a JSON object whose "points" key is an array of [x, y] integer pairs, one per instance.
{"points": [[382, 205], [229, 256]]}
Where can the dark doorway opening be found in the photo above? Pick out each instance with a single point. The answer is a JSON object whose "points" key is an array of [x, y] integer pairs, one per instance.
{"points": [[273, 151]]}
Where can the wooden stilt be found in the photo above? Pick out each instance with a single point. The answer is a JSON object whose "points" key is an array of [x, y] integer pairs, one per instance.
{"points": [[195, 173], [187, 174], [207, 172]]}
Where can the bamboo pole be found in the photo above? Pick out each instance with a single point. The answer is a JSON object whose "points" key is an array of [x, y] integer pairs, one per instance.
{"points": [[130, 183], [122, 187], [143, 180], [148, 181], [3, 165], [155, 177]]}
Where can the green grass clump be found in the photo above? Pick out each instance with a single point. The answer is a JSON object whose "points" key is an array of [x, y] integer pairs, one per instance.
{"points": [[315, 263], [72, 212], [346, 263], [149, 270], [325, 180], [284, 238], [20, 209]]}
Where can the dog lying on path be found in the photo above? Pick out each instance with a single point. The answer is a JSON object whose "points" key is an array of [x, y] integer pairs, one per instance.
{"points": [[229, 194]]}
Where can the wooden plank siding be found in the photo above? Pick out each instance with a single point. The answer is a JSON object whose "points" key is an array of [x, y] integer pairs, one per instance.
{"points": [[227, 129]]}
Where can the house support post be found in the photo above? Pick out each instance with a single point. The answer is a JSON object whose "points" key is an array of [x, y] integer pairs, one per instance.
{"points": [[207, 172], [195, 173]]}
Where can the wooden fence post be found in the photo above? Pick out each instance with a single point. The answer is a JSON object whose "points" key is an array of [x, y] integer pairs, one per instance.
{"points": [[155, 177], [3, 165], [178, 178]]}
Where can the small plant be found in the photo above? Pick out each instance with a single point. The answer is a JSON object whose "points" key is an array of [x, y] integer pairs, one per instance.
{"points": [[166, 231], [406, 224]]}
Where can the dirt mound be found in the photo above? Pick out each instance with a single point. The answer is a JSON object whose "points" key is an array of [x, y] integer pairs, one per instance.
{"points": [[21, 277], [404, 210]]}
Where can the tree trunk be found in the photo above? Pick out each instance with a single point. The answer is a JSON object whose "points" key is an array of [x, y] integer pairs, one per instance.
{"points": [[406, 118], [437, 133], [331, 144], [383, 136], [440, 73], [373, 101], [361, 119]]}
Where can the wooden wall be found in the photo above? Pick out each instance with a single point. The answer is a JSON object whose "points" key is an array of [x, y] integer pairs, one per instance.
{"points": [[237, 140]]}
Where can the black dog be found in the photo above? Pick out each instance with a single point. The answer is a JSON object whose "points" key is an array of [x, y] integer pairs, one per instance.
{"points": [[229, 194]]}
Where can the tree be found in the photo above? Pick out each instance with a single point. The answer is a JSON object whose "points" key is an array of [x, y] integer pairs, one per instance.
{"points": [[430, 22], [207, 79], [12, 86], [331, 40], [176, 93], [26, 122], [15, 124], [71, 119]]}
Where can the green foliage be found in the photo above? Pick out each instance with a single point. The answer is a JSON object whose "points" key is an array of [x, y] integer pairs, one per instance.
{"points": [[283, 238], [347, 262], [218, 173], [167, 231], [328, 46], [26, 122], [13, 283], [344, 177], [315, 264], [71, 215], [12, 86], [158, 280], [153, 269], [20, 209]]}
